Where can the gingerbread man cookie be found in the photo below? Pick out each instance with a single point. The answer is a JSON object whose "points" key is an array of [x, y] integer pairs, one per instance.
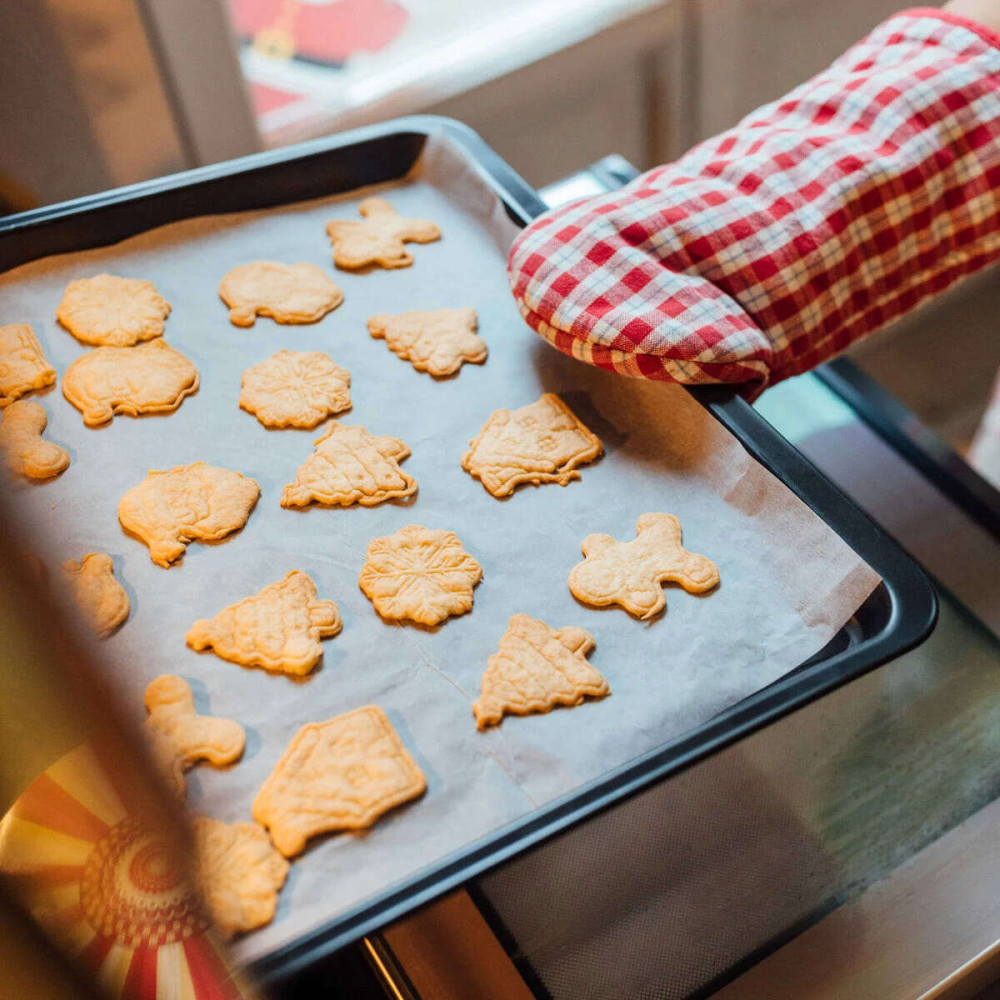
{"points": [[109, 311], [278, 629], [23, 367], [288, 293], [379, 238], [536, 669], [181, 737], [24, 450], [342, 774], [438, 341], [631, 573]]}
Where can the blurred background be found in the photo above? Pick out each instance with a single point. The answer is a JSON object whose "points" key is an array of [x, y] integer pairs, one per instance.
{"points": [[100, 93]]}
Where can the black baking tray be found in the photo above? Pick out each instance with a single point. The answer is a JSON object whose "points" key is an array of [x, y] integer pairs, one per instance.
{"points": [[898, 615]]}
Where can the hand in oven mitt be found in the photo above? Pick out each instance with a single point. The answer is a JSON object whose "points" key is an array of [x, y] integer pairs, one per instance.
{"points": [[816, 221]]}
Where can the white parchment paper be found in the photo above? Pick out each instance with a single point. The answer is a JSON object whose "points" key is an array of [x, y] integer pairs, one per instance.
{"points": [[788, 582]]}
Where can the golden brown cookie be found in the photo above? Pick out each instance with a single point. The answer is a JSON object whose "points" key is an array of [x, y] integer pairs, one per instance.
{"points": [[239, 873], [438, 341], [543, 442], [100, 596], [630, 573], [535, 669], [189, 503], [336, 775], [23, 367], [288, 293], [150, 378], [295, 389], [24, 451], [422, 574], [112, 312], [278, 629], [351, 466], [180, 737], [379, 238]]}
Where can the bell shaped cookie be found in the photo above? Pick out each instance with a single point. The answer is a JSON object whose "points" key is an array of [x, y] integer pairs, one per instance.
{"points": [[199, 502], [288, 293], [350, 466], [101, 598], [543, 442], [631, 573], [278, 629], [536, 669], [109, 311], [295, 389], [379, 238], [181, 737], [438, 341], [342, 774], [150, 378], [421, 574], [23, 367], [239, 873], [24, 450]]}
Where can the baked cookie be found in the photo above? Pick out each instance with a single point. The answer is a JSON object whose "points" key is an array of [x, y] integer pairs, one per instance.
{"points": [[100, 596], [336, 775], [239, 873], [288, 293], [351, 466], [24, 451], [379, 237], [180, 737], [278, 629], [189, 503], [150, 378], [109, 311], [438, 341], [631, 573], [422, 574], [543, 442], [535, 669], [295, 389], [23, 367]]}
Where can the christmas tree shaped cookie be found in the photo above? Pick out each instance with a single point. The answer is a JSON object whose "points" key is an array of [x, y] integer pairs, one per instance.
{"points": [[543, 442], [342, 774], [438, 341], [535, 669], [278, 629], [350, 466]]}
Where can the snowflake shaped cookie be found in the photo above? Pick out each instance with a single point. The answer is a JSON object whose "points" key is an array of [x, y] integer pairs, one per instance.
{"points": [[112, 312], [379, 237], [295, 389], [421, 574], [631, 573], [437, 341]]}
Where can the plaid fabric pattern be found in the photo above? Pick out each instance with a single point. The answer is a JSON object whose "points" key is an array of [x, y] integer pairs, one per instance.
{"points": [[817, 220]]}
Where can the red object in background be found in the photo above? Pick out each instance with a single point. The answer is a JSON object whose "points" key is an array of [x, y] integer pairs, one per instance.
{"points": [[327, 31]]}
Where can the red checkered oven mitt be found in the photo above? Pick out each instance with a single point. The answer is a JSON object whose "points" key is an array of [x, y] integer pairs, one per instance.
{"points": [[817, 220]]}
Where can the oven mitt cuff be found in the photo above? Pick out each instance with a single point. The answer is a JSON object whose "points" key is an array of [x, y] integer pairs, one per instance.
{"points": [[816, 221]]}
